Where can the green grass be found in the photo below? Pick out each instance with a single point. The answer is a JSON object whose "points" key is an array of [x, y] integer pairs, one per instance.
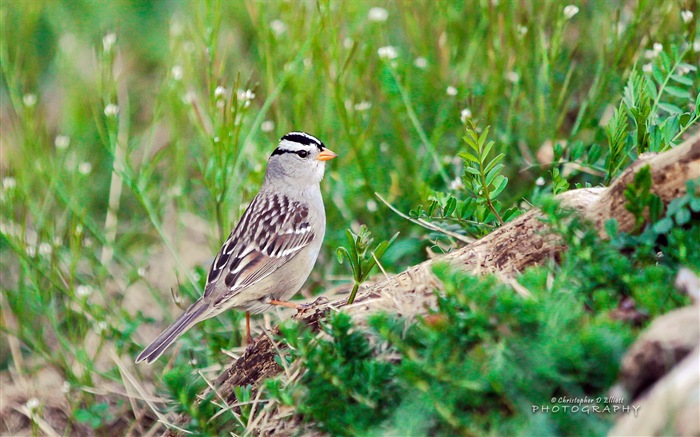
{"points": [[134, 133]]}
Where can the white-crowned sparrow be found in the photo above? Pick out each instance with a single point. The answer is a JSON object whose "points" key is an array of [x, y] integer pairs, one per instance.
{"points": [[272, 250]]}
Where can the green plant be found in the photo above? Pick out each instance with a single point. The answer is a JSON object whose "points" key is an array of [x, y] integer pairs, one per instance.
{"points": [[680, 210], [488, 359], [345, 389], [646, 120], [480, 212], [360, 257], [640, 199], [483, 178], [96, 415]]}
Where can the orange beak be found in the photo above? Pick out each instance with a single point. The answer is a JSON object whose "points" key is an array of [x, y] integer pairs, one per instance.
{"points": [[326, 155]]}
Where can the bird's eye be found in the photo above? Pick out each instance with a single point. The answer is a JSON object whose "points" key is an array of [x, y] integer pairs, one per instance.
{"points": [[302, 153]]}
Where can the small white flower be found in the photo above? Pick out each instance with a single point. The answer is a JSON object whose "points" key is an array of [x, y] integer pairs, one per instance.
{"points": [[177, 72], [387, 52], [682, 70], [87, 242], [456, 184], [513, 77], [570, 11], [141, 272], [44, 249], [79, 230], [62, 142], [451, 91], [217, 139], [100, 326], [32, 404], [696, 46], [31, 251], [348, 43], [687, 16], [83, 290], [362, 106], [647, 68], [278, 27], [650, 54], [522, 30], [8, 183], [196, 276], [378, 14], [246, 95], [84, 168], [65, 387], [539, 181], [29, 100], [267, 126], [108, 41], [219, 91], [371, 205], [384, 147], [421, 62], [658, 47], [465, 115], [111, 110], [220, 104]]}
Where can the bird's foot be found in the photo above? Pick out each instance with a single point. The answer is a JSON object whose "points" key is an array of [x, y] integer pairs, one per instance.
{"points": [[321, 300]]}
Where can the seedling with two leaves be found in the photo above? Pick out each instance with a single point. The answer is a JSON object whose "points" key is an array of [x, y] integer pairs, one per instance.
{"points": [[361, 259]]}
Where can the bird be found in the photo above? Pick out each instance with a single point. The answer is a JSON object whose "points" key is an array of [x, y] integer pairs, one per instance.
{"points": [[271, 251]]}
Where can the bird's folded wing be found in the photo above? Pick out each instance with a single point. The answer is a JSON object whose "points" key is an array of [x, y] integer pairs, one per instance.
{"points": [[271, 232]]}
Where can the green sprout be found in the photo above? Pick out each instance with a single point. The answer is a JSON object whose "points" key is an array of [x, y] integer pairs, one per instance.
{"points": [[362, 261]]}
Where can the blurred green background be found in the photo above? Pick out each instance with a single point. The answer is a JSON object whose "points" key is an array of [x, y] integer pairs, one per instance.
{"points": [[134, 133]]}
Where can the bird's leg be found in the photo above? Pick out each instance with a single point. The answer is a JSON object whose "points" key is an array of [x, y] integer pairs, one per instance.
{"points": [[248, 337], [284, 303], [298, 306]]}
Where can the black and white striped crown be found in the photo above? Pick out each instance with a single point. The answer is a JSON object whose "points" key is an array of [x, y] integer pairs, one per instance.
{"points": [[294, 142]]}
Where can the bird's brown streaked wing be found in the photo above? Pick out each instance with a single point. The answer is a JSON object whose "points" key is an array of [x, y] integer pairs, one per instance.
{"points": [[256, 248]]}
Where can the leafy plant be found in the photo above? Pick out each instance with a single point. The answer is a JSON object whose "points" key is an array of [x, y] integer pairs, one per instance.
{"points": [[483, 178], [207, 414], [345, 389], [637, 102], [480, 212], [618, 145], [361, 259], [640, 199], [488, 360], [95, 416], [680, 210], [646, 105]]}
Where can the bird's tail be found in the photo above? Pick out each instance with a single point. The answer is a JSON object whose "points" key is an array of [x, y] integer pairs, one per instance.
{"points": [[187, 320]]}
